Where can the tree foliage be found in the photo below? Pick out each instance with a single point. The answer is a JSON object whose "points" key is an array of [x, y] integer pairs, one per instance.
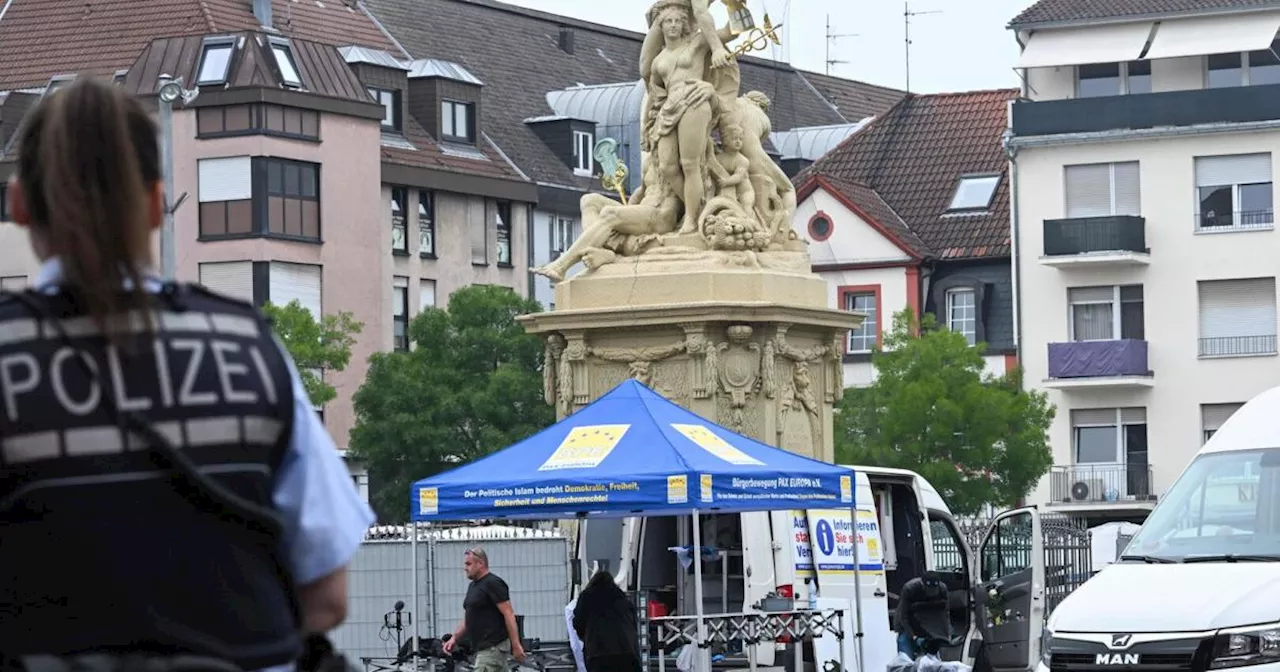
{"points": [[978, 438], [471, 385], [315, 345]]}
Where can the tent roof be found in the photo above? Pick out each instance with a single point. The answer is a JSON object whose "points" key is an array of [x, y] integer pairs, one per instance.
{"points": [[631, 453]]}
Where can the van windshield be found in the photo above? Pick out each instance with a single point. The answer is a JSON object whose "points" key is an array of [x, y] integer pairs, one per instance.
{"points": [[1226, 507]]}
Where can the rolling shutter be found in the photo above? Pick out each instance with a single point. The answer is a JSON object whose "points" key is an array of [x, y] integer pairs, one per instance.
{"points": [[1214, 416], [13, 283], [1128, 192], [296, 282], [229, 278], [427, 295], [226, 179], [1103, 189], [1237, 308], [1216, 171]]}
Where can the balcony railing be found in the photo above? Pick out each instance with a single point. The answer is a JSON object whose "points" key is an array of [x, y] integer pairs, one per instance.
{"points": [[1238, 346], [1237, 105], [1100, 483], [1083, 235], [1235, 221], [1097, 359]]}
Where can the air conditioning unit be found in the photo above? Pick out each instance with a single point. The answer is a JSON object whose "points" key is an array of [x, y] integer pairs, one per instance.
{"points": [[1084, 490]]}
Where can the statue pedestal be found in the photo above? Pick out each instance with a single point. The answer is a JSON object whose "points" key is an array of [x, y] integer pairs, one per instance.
{"points": [[744, 340]]}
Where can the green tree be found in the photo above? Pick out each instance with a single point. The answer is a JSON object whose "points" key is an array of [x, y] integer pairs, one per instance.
{"points": [[978, 438], [471, 385], [315, 345]]}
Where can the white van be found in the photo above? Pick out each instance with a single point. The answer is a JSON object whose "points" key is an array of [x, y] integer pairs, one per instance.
{"points": [[1198, 587], [917, 533]]}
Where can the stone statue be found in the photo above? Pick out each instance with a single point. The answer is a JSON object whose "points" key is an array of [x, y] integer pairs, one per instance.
{"points": [[799, 424], [695, 197], [738, 364]]}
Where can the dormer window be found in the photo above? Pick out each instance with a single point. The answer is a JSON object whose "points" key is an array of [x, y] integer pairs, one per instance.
{"points": [[583, 158], [456, 122], [215, 61], [390, 102], [287, 67], [974, 193]]}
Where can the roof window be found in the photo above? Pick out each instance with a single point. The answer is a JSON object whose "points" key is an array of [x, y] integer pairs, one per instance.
{"points": [[287, 67], [974, 193], [215, 61]]}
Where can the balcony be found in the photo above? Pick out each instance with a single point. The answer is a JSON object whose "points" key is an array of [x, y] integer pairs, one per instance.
{"points": [[1238, 346], [1102, 486], [1098, 364], [1237, 105], [1096, 242]]}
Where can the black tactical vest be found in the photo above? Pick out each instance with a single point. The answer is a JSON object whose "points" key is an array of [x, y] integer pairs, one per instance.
{"points": [[99, 551]]}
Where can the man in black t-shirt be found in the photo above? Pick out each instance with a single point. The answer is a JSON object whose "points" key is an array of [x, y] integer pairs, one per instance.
{"points": [[489, 622]]}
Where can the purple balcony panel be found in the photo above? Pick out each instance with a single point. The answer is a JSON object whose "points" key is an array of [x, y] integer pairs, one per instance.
{"points": [[1096, 359]]}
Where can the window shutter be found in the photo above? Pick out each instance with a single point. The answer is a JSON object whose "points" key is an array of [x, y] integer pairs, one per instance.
{"points": [[1214, 171], [1133, 416], [1093, 416], [1128, 191], [1214, 416], [300, 282], [427, 295], [1233, 308], [479, 233], [229, 278], [1091, 294], [1088, 190], [13, 283], [225, 179]]}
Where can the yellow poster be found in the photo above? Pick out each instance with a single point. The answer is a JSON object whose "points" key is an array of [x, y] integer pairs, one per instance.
{"points": [[428, 501], [707, 440], [585, 447], [677, 489], [846, 489], [705, 482]]}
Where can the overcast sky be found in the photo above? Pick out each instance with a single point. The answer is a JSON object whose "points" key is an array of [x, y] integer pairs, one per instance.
{"points": [[962, 47]]}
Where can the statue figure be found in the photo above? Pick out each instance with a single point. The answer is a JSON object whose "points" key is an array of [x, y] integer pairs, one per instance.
{"points": [[775, 196], [688, 80], [799, 423], [732, 168]]}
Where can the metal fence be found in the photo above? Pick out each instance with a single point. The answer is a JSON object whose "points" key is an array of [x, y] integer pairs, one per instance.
{"points": [[534, 563]]}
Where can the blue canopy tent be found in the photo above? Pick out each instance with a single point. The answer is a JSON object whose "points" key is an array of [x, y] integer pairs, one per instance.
{"points": [[632, 453]]}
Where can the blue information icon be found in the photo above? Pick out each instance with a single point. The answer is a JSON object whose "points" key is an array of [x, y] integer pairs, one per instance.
{"points": [[826, 538]]}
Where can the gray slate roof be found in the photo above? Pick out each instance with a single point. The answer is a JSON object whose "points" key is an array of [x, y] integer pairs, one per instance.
{"points": [[521, 62]]}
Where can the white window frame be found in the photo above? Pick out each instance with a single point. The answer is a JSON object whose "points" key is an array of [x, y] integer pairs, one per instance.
{"points": [[286, 64], [584, 162], [971, 335], [1125, 89], [1117, 313], [993, 178], [1237, 222], [210, 45], [1121, 450], [561, 235], [869, 330], [1242, 353], [390, 110]]}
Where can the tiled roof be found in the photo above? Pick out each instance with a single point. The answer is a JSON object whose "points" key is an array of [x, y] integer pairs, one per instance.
{"points": [[866, 199], [854, 100], [912, 159], [483, 159], [42, 38], [1062, 11], [525, 63]]}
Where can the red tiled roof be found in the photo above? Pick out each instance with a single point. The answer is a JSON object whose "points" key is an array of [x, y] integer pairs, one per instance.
{"points": [[1055, 11], [912, 158], [43, 38]]}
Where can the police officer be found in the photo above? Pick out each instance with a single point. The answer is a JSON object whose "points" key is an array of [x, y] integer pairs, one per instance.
{"points": [[165, 487]]}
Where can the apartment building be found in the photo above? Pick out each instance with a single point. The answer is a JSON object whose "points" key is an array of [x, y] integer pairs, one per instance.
{"points": [[565, 84], [1143, 150], [912, 211], [318, 162]]}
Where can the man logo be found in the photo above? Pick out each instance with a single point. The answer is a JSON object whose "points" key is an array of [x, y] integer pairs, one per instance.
{"points": [[1117, 659], [1121, 641]]}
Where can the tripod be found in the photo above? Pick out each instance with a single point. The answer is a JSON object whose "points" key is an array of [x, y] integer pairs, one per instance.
{"points": [[397, 624]]}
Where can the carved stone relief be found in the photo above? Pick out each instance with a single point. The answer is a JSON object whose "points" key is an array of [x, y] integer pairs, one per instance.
{"points": [[640, 361], [738, 369]]}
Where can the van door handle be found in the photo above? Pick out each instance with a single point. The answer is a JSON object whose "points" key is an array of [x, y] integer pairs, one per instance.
{"points": [[878, 593]]}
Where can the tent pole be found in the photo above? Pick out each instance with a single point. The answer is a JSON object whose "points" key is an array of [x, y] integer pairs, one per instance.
{"points": [[857, 592], [703, 652], [413, 555]]}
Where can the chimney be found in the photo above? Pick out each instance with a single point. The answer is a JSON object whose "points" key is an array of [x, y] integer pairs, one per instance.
{"points": [[566, 39], [262, 12]]}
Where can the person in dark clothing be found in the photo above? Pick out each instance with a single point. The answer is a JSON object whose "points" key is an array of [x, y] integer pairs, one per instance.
{"points": [[489, 621], [923, 613], [605, 620]]}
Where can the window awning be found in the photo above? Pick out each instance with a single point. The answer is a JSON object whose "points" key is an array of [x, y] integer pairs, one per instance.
{"points": [[1231, 33], [1079, 46]]}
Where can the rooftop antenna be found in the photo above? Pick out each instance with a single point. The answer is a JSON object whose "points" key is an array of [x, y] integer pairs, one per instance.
{"points": [[832, 37], [906, 21]]}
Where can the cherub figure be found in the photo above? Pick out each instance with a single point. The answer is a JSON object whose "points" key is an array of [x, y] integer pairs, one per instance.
{"points": [[734, 175]]}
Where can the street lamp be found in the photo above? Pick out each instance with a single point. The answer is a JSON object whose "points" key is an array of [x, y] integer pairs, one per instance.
{"points": [[170, 91]]}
